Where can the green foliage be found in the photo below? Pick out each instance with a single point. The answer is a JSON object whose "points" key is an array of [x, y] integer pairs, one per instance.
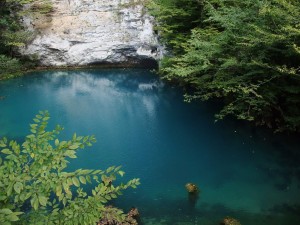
{"points": [[175, 20], [35, 187], [16, 39], [42, 7], [12, 32], [9, 65], [245, 52]]}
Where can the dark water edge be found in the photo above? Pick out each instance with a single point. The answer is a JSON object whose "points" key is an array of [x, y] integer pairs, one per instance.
{"points": [[142, 63], [143, 124]]}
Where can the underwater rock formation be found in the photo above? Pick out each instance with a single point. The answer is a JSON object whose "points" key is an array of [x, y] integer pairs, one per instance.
{"points": [[192, 188], [230, 221], [193, 192], [131, 219]]}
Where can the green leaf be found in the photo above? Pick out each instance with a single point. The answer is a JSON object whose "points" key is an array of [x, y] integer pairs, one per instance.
{"points": [[103, 200], [66, 186], [74, 146], [110, 169], [117, 168], [27, 196], [33, 131], [43, 200], [33, 126], [36, 120], [64, 201], [12, 217], [82, 179], [121, 173], [69, 181], [58, 190], [107, 197], [71, 154], [18, 186], [46, 118], [88, 178], [30, 136], [6, 151], [36, 203], [5, 211], [76, 181], [2, 144], [9, 189], [113, 196]]}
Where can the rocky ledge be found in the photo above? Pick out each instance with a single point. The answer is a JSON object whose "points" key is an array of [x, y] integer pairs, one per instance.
{"points": [[90, 32]]}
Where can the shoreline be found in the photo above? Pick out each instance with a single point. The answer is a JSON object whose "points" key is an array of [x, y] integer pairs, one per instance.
{"points": [[152, 65]]}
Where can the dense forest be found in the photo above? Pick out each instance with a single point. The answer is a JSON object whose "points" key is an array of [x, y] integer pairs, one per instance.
{"points": [[246, 53]]}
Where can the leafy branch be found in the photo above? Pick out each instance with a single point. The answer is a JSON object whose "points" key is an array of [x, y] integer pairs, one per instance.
{"points": [[34, 173]]}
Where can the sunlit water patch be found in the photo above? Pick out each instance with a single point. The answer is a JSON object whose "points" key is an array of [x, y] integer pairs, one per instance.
{"points": [[144, 125]]}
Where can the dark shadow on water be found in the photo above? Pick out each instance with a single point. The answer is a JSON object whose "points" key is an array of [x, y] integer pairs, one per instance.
{"points": [[190, 210], [193, 199], [132, 62], [285, 209], [18, 139], [286, 168]]}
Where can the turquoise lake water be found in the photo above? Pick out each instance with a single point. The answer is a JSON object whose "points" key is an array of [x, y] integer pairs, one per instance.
{"points": [[143, 124]]}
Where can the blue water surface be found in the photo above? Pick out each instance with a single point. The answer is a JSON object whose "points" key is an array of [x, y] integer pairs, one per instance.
{"points": [[143, 124]]}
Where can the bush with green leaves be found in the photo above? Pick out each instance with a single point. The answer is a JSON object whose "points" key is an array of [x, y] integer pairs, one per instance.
{"points": [[174, 21], [13, 34], [244, 52], [9, 66], [36, 188]]}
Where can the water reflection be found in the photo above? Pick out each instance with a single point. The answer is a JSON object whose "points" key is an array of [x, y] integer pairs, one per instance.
{"points": [[104, 93]]}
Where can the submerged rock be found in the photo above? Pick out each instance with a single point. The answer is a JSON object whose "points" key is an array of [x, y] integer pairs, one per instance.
{"points": [[193, 194], [192, 188], [88, 32], [230, 221], [132, 218]]}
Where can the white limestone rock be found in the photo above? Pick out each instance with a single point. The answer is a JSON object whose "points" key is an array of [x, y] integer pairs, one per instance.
{"points": [[83, 32]]}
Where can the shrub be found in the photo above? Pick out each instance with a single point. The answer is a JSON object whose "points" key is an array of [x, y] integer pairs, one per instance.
{"points": [[35, 187]]}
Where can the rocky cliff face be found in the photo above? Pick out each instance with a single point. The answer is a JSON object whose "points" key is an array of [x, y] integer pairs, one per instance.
{"points": [[84, 32]]}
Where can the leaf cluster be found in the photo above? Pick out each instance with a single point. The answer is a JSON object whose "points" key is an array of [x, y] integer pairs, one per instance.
{"points": [[35, 187], [175, 19], [9, 66], [246, 53]]}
